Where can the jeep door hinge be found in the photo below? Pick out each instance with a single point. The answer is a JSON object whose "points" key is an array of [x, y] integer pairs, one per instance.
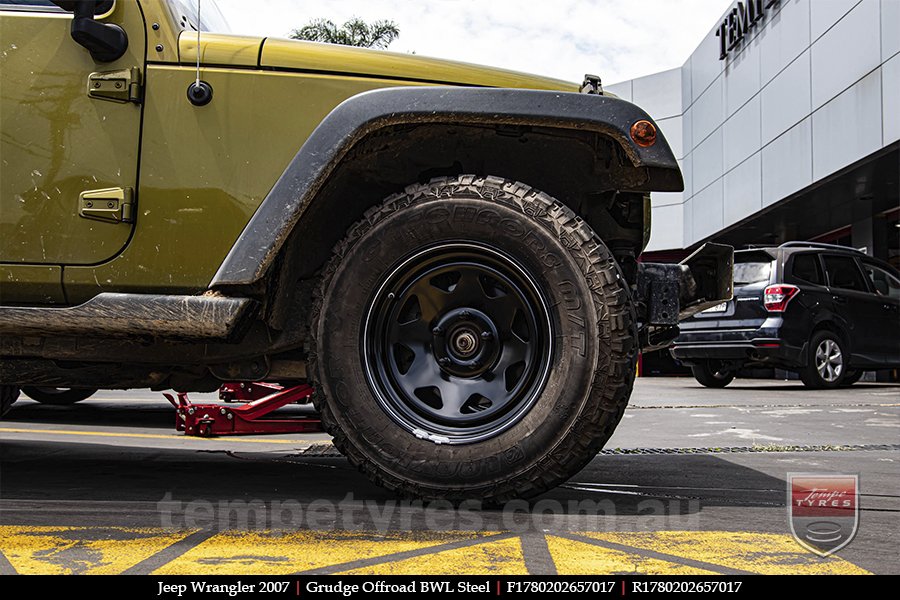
{"points": [[111, 205], [116, 86]]}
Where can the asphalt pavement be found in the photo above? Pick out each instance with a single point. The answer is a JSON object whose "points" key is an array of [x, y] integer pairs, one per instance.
{"points": [[692, 482]]}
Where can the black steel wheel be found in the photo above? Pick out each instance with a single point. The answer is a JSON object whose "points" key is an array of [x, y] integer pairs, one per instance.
{"points": [[458, 342], [471, 339]]}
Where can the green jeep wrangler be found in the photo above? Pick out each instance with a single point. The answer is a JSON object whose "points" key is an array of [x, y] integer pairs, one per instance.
{"points": [[447, 252]]}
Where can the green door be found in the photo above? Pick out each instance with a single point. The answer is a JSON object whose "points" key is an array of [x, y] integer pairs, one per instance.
{"points": [[68, 160]]}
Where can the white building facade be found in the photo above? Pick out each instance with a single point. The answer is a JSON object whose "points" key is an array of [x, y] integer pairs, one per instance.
{"points": [[786, 123]]}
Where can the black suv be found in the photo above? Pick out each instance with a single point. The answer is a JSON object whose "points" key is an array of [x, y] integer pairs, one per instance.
{"points": [[827, 312]]}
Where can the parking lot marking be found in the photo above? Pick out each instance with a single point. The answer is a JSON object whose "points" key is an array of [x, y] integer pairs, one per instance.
{"points": [[500, 557], [281, 553], [81, 550], [764, 553], [153, 436], [169, 553], [108, 550], [581, 558]]}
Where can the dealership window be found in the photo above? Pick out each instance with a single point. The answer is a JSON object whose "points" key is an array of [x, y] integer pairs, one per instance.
{"points": [[843, 273]]}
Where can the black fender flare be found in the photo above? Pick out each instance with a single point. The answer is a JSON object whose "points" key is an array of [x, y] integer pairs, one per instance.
{"points": [[360, 115]]}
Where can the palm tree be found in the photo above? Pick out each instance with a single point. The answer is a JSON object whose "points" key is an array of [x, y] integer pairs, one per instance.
{"points": [[354, 32]]}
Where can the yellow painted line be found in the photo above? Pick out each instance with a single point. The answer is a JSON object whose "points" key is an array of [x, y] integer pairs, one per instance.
{"points": [[107, 550], [156, 436], [581, 558], [282, 553], [763, 553], [500, 557], [81, 550]]}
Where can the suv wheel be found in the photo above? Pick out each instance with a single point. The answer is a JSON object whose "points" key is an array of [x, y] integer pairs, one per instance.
{"points": [[474, 339], [57, 396], [827, 367], [712, 374], [852, 376], [8, 395]]}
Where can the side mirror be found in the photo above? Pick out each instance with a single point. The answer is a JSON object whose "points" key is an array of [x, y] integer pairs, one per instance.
{"points": [[105, 41]]}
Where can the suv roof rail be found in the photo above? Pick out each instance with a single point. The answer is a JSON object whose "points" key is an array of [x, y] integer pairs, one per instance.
{"points": [[819, 245]]}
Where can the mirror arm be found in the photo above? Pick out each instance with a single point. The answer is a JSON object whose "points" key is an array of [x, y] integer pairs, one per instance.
{"points": [[105, 41]]}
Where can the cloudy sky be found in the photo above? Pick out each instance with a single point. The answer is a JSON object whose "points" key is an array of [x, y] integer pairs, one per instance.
{"points": [[616, 39]]}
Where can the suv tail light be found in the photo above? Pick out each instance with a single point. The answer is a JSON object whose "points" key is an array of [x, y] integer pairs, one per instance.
{"points": [[777, 296]]}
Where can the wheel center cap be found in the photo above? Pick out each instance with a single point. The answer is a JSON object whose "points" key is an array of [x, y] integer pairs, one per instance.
{"points": [[464, 343]]}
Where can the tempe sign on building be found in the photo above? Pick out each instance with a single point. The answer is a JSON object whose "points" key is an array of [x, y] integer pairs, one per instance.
{"points": [[794, 136], [742, 18]]}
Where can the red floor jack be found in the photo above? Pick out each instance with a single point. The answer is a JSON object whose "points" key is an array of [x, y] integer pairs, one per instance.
{"points": [[247, 392], [207, 420]]}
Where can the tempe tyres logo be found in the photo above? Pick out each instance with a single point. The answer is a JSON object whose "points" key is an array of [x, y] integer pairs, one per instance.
{"points": [[823, 510]]}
